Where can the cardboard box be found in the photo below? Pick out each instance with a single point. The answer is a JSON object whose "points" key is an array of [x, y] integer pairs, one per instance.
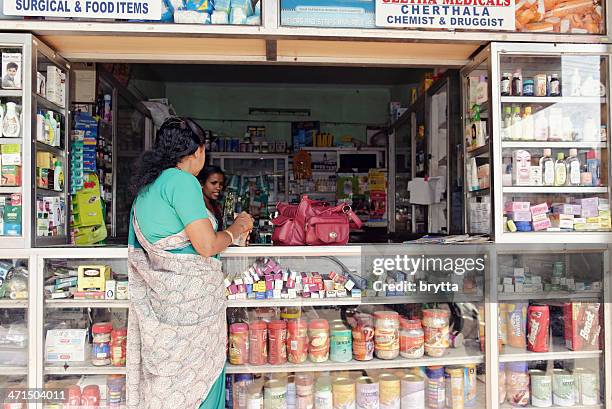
{"points": [[516, 206], [520, 216], [93, 278], [582, 326], [11, 154], [11, 175], [65, 345]]}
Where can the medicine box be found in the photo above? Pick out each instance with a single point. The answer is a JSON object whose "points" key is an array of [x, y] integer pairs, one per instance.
{"points": [[65, 345], [11, 154], [93, 278]]}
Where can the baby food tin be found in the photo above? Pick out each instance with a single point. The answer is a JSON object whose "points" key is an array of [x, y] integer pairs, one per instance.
{"points": [[563, 388], [368, 393], [389, 391], [541, 388], [412, 392], [343, 390], [455, 387], [341, 345]]}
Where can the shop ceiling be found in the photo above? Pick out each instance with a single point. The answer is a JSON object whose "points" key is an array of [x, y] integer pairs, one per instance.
{"points": [[169, 49]]}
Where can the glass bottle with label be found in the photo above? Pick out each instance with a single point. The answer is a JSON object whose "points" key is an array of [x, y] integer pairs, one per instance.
{"points": [[506, 85], [572, 164], [555, 86], [548, 168]]}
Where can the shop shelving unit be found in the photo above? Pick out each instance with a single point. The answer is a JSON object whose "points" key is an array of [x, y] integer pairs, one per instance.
{"points": [[23, 44], [590, 61], [42, 57]]}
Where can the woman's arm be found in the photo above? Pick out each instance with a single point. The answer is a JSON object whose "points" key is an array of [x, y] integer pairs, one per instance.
{"points": [[207, 242]]}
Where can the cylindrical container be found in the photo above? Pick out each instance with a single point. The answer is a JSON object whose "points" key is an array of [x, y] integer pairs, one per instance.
{"points": [[291, 392], [435, 323], [100, 353], [390, 391], [323, 393], [363, 337], [90, 397], [517, 383], [318, 334], [240, 390], [239, 344], [502, 383], [74, 397], [258, 343], [255, 399], [528, 88], [471, 386], [455, 387], [297, 341], [412, 339], [343, 390], [290, 313], [587, 386], [118, 346], [368, 393], [304, 385], [563, 389], [541, 388], [386, 334], [265, 314], [541, 85], [341, 344], [275, 394], [277, 342], [435, 395], [115, 385], [538, 325], [517, 325], [412, 392]]}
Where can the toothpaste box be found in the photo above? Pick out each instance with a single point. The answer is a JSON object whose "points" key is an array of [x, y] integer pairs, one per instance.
{"points": [[539, 217]]}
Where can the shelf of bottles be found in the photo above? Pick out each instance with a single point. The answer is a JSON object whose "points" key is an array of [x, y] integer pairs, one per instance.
{"points": [[554, 143], [477, 145], [11, 140], [347, 344], [49, 106], [551, 348], [14, 331], [254, 192]]}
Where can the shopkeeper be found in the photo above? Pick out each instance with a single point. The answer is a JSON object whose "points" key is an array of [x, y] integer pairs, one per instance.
{"points": [[176, 327], [212, 180]]}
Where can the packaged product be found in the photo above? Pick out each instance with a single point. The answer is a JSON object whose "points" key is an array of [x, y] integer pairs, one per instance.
{"points": [[582, 325], [206, 6], [368, 393], [386, 334], [517, 325], [219, 17], [538, 325]]}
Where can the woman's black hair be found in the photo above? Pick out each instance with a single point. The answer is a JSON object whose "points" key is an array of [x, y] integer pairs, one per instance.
{"points": [[207, 171], [176, 139]]}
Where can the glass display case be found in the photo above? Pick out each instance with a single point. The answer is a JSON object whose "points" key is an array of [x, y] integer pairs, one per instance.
{"points": [[335, 331], [552, 334], [477, 145], [15, 324], [551, 142], [400, 148], [16, 77], [83, 333]]}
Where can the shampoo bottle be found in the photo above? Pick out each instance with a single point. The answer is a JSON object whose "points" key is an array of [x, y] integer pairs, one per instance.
{"points": [[58, 176], [548, 168], [474, 175], [41, 133], [516, 129], [11, 127], [56, 130], [560, 170], [573, 169], [49, 128]]}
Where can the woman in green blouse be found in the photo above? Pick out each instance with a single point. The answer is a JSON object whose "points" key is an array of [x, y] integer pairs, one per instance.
{"points": [[176, 327]]}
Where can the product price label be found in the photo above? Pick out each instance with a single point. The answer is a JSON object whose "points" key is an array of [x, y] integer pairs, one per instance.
{"points": [[447, 14], [99, 9]]}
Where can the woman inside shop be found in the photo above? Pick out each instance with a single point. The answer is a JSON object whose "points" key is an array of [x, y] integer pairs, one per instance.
{"points": [[212, 180], [176, 327]]}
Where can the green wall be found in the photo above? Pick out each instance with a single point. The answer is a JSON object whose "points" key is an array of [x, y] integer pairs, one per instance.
{"points": [[224, 108]]}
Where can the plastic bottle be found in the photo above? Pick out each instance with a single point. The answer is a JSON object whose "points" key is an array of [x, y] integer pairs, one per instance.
{"points": [[572, 164], [560, 170], [507, 124], [50, 127], [241, 385], [528, 125], [474, 185], [57, 134], [11, 125], [547, 164], [516, 130], [593, 167], [58, 176]]}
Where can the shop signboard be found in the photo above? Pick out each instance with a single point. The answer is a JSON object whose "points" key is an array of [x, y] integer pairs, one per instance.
{"points": [[495, 15], [99, 9]]}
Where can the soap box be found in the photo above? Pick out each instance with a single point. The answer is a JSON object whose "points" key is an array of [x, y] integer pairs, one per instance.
{"points": [[566, 208], [11, 154], [516, 206], [563, 221], [539, 209], [541, 225], [589, 206], [520, 216]]}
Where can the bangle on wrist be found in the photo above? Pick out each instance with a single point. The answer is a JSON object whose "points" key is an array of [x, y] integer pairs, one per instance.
{"points": [[230, 235]]}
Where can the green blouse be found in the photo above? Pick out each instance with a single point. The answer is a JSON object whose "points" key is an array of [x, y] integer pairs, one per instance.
{"points": [[167, 205]]}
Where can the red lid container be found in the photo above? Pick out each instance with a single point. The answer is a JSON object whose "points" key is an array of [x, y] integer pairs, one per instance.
{"points": [[102, 328]]}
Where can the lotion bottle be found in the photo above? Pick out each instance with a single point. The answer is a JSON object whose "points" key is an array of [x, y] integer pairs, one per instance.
{"points": [[573, 169], [548, 168], [11, 126], [560, 170]]}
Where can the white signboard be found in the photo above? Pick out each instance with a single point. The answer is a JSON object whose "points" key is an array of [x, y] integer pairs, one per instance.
{"points": [[109, 9], [495, 15]]}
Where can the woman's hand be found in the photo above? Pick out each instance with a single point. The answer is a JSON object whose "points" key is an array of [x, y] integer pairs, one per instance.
{"points": [[244, 221]]}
